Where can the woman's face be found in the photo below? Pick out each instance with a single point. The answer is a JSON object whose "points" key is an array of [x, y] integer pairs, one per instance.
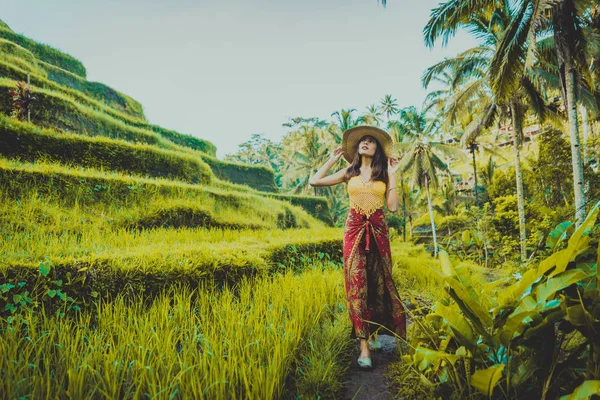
{"points": [[367, 146]]}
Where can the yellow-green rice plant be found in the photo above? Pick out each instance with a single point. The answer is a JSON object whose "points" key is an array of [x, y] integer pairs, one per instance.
{"points": [[91, 245], [70, 88], [60, 111], [13, 53], [45, 52], [324, 360], [78, 187], [69, 109], [54, 78], [95, 90], [30, 143], [241, 342]]}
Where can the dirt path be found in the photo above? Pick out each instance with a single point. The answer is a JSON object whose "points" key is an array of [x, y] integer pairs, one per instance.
{"points": [[372, 385]]}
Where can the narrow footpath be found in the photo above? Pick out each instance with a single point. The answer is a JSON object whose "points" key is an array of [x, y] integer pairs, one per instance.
{"points": [[371, 385]]}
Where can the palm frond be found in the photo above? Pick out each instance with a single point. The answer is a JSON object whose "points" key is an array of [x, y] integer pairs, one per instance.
{"points": [[450, 151], [508, 62], [447, 18], [460, 66], [485, 119], [538, 16], [536, 102]]}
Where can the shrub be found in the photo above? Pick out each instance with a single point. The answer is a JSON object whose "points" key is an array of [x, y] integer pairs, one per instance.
{"points": [[532, 338]]}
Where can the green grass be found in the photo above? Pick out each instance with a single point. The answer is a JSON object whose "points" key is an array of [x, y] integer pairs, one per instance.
{"points": [[58, 110], [235, 343], [65, 108], [95, 90], [30, 143], [45, 52], [46, 76], [324, 360], [81, 187], [20, 57]]}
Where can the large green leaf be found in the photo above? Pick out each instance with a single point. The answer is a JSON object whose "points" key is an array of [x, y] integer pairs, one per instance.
{"points": [[465, 297], [447, 267], [579, 316], [485, 380], [521, 317], [550, 319], [558, 234], [514, 326], [548, 288], [584, 391], [578, 241], [424, 358], [525, 370], [458, 323], [514, 292]]}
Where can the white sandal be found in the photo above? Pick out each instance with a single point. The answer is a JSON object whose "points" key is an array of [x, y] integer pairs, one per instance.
{"points": [[365, 362]]}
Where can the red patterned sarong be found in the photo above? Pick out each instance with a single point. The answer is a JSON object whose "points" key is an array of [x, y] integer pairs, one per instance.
{"points": [[370, 292]]}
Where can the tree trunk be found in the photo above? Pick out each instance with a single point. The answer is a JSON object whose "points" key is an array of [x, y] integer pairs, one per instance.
{"points": [[435, 247], [578, 182], [403, 207], [517, 134], [586, 131], [563, 25], [475, 177]]}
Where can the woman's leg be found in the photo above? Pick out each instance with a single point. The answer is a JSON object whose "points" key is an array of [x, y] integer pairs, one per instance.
{"points": [[364, 348]]}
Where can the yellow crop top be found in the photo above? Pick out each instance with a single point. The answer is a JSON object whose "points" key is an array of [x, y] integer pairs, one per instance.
{"points": [[366, 198]]}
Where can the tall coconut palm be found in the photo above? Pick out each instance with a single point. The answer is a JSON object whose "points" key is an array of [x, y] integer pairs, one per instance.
{"points": [[310, 151], [423, 165], [488, 20], [487, 172], [372, 116], [343, 121], [458, 115], [421, 160], [563, 21], [389, 107]]}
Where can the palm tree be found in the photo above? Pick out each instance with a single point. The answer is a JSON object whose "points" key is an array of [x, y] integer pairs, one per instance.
{"points": [[344, 121], [421, 158], [372, 116], [563, 21], [389, 107], [488, 21], [310, 152], [423, 165], [487, 172], [458, 115], [413, 205]]}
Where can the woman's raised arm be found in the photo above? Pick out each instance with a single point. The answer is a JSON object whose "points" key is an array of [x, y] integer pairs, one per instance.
{"points": [[319, 178]]}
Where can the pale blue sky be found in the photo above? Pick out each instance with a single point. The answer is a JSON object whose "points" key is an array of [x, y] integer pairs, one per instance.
{"points": [[224, 70]]}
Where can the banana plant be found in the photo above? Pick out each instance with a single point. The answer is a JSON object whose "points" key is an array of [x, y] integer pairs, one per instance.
{"points": [[509, 342]]}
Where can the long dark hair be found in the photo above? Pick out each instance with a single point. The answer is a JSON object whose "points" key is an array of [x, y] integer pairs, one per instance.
{"points": [[379, 164]]}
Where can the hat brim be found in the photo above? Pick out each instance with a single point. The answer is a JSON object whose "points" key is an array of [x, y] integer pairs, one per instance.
{"points": [[352, 138]]}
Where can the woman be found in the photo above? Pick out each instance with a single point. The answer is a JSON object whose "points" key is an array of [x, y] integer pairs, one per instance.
{"points": [[371, 295]]}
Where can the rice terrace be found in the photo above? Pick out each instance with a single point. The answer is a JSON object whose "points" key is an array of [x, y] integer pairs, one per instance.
{"points": [[300, 200]]}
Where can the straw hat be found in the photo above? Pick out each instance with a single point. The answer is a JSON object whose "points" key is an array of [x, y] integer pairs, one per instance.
{"points": [[353, 135]]}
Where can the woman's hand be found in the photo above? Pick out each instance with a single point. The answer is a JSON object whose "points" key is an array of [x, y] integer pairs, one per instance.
{"points": [[336, 154], [393, 165]]}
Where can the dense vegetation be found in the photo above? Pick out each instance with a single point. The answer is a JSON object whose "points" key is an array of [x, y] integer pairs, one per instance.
{"points": [[134, 263]]}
